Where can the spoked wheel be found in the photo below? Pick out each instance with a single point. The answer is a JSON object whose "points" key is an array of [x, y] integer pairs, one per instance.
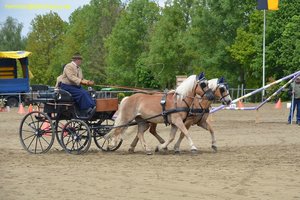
{"points": [[59, 125], [76, 137], [36, 132], [99, 134]]}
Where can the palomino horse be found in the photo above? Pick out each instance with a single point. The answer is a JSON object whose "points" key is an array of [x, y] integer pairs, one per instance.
{"points": [[221, 93], [145, 109]]}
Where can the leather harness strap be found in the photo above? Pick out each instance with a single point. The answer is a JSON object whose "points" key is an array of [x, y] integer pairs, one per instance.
{"points": [[187, 109]]}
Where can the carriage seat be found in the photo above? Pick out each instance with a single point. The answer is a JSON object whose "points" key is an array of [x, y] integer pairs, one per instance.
{"points": [[51, 95], [63, 96]]}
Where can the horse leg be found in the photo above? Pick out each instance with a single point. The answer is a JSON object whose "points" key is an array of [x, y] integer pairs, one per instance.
{"points": [[208, 127], [177, 145], [142, 127], [133, 144], [135, 141], [154, 133], [179, 123], [171, 138], [113, 140]]}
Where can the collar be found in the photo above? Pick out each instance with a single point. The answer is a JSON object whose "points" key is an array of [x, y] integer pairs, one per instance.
{"points": [[74, 64]]}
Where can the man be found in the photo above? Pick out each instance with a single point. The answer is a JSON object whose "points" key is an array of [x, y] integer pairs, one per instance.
{"points": [[71, 81], [294, 91]]}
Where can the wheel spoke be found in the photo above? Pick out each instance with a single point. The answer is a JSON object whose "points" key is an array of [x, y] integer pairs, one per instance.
{"points": [[45, 140], [69, 136], [29, 137], [31, 142], [33, 128], [36, 142], [103, 143], [33, 121], [41, 144]]}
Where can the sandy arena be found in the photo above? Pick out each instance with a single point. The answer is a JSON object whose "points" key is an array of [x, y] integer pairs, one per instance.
{"points": [[258, 158]]}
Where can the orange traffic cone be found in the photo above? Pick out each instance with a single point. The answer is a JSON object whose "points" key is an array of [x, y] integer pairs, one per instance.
{"points": [[240, 104], [21, 109], [278, 104], [30, 108]]}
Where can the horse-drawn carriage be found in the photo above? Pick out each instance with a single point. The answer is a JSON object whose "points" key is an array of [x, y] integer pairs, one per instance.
{"points": [[58, 116], [187, 105]]}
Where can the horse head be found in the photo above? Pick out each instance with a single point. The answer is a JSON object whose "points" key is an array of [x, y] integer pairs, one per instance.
{"points": [[221, 92], [202, 88]]}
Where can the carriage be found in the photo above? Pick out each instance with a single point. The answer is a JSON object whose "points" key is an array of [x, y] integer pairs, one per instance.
{"points": [[59, 117]]}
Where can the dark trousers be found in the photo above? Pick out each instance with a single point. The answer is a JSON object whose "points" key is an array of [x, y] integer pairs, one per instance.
{"points": [[296, 105], [80, 96]]}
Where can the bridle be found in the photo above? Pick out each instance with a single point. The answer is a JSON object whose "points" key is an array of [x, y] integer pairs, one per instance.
{"points": [[221, 88]]}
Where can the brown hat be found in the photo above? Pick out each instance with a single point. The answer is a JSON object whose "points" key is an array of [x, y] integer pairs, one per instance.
{"points": [[77, 56]]}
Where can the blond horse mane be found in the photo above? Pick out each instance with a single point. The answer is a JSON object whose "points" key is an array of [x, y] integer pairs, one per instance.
{"points": [[186, 86], [213, 84]]}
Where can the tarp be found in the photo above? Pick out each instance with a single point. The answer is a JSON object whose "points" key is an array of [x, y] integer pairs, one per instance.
{"points": [[14, 54]]}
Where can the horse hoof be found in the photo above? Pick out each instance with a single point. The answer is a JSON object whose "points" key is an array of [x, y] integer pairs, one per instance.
{"points": [[156, 149], [177, 152], [194, 151], [214, 148], [149, 153], [131, 150]]}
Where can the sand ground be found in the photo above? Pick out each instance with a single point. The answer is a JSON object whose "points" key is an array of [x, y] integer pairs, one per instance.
{"points": [[258, 158]]}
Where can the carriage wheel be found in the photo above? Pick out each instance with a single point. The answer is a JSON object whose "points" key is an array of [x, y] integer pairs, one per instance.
{"points": [[58, 130], [76, 137], [99, 134], [36, 132]]}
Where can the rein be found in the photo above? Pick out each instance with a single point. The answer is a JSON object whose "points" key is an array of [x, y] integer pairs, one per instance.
{"points": [[144, 90]]}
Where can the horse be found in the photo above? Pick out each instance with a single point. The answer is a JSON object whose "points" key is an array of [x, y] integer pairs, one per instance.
{"points": [[221, 93], [146, 108]]}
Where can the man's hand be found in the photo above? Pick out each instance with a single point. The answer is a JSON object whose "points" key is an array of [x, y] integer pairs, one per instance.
{"points": [[90, 83], [84, 82], [87, 82]]}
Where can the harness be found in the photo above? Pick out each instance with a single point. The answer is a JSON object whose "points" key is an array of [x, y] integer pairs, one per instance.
{"points": [[188, 110]]}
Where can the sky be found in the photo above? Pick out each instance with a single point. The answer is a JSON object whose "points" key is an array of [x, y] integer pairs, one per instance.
{"points": [[26, 10]]}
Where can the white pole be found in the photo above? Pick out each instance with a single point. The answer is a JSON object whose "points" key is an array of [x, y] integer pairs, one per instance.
{"points": [[264, 52], [292, 103]]}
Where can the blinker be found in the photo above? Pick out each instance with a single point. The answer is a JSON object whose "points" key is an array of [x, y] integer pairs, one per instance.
{"points": [[202, 85], [222, 90], [210, 95]]}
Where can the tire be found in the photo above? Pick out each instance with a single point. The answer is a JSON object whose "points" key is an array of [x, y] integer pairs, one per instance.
{"points": [[12, 102], [36, 132], [99, 134], [76, 137]]}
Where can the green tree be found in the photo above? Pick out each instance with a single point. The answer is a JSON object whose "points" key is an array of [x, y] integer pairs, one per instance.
{"points": [[128, 40], [89, 26], [43, 41], [283, 40], [168, 55], [10, 35], [214, 30], [247, 51]]}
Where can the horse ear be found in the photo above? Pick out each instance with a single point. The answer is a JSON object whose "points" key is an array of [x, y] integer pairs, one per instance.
{"points": [[201, 76], [221, 80]]}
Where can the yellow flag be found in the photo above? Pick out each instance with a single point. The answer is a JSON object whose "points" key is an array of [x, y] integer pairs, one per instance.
{"points": [[273, 4]]}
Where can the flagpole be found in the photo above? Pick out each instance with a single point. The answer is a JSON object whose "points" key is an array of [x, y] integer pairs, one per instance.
{"points": [[264, 56]]}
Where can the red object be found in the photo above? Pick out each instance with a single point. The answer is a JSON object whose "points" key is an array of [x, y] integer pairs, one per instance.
{"points": [[240, 104], [21, 109], [278, 104], [30, 109]]}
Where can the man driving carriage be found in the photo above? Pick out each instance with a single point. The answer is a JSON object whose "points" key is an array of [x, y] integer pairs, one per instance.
{"points": [[71, 81]]}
